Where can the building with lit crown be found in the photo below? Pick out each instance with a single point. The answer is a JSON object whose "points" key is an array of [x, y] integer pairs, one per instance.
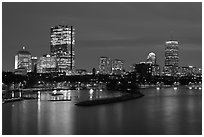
{"points": [[62, 47], [23, 60], [151, 58]]}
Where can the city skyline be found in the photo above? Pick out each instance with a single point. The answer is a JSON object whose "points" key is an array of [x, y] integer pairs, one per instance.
{"points": [[98, 35]]}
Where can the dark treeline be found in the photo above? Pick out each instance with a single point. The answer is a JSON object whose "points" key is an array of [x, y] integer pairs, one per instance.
{"points": [[33, 79]]}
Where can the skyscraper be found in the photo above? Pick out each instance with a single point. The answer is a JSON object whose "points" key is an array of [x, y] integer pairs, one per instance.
{"points": [[171, 58], [34, 61], [62, 47], [23, 60], [104, 65], [117, 67]]}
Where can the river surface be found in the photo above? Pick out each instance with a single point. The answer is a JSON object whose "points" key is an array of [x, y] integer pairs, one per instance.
{"points": [[165, 111]]}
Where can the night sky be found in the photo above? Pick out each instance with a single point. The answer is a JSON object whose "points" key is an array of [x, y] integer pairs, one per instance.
{"points": [[127, 31]]}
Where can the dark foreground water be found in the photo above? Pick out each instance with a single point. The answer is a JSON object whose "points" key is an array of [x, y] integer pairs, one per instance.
{"points": [[164, 111]]}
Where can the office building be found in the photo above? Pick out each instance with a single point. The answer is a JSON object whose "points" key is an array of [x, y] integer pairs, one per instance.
{"points": [[155, 70], [117, 67], [34, 64], [47, 64], [190, 71], [171, 67], [62, 47], [105, 65], [23, 60]]}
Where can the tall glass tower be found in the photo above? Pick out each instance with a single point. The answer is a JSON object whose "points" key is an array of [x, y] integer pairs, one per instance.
{"points": [[62, 47], [171, 58]]}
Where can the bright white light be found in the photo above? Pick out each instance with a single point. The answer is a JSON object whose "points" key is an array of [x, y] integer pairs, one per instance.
{"points": [[91, 97], [200, 88], [20, 94], [38, 95], [91, 91], [158, 88], [13, 94]]}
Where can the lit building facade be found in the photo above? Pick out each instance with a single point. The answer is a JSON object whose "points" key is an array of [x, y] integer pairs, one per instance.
{"points": [[46, 64], [171, 67], [34, 64], [23, 60], [155, 70], [190, 71], [105, 65], [62, 47], [117, 67]]}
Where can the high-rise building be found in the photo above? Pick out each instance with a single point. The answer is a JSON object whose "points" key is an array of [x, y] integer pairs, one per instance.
{"points": [[46, 64], [151, 58], [62, 47], [117, 67], [34, 64], [23, 60], [104, 65], [171, 67]]}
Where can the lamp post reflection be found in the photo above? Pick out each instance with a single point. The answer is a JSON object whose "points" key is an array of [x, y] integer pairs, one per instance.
{"points": [[12, 94], [91, 91], [39, 96], [69, 94]]}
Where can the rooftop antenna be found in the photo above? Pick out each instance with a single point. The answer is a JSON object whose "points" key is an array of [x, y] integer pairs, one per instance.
{"points": [[171, 35]]}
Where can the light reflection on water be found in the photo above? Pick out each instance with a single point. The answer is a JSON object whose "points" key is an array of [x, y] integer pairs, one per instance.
{"points": [[163, 111]]}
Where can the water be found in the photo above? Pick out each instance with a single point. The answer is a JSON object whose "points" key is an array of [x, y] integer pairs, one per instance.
{"points": [[164, 111]]}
